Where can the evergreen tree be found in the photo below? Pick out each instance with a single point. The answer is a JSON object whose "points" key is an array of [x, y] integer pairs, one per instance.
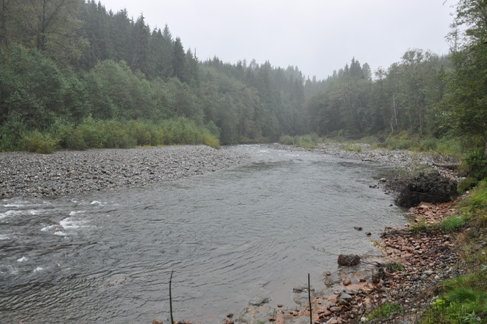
{"points": [[179, 60], [468, 89]]}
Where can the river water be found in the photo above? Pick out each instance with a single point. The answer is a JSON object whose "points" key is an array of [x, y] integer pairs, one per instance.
{"points": [[252, 231]]}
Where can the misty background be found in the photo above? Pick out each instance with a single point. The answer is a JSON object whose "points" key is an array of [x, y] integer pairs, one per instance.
{"points": [[316, 36]]}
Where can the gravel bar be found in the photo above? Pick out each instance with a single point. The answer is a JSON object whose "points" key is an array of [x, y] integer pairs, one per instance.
{"points": [[65, 173]]}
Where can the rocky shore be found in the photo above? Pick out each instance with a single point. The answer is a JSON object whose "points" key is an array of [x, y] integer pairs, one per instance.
{"points": [[64, 173], [403, 160], [405, 273]]}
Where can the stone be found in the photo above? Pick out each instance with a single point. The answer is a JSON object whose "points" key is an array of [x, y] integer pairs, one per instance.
{"points": [[156, 321], [358, 228], [426, 187], [348, 260], [259, 301], [344, 298], [347, 282]]}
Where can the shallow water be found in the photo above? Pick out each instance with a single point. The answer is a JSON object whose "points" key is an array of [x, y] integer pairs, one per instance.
{"points": [[255, 230]]}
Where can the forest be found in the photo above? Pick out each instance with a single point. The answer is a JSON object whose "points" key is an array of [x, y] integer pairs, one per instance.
{"points": [[74, 75]]}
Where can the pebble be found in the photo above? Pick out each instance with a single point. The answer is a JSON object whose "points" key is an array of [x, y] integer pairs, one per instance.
{"points": [[65, 173]]}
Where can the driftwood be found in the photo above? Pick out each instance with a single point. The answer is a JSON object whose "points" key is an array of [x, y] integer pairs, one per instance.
{"points": [[450, 166]]}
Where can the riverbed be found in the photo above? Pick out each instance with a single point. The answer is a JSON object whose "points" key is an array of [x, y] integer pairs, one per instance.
{"points": [[253, 230]]}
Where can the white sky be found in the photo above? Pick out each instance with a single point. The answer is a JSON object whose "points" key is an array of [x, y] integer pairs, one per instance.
{"points": [[317, 36]]}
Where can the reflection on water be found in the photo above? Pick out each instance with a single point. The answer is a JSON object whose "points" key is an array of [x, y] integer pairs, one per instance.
{"points": [[256, 230]]}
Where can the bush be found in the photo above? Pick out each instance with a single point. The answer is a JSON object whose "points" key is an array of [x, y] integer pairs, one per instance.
{"points": [[306, 141], [39, 143], [352, 148], [467, 184], [474, 208], [286, 140], [475, 164], [11, 134], [452, 224], [92, 133]]}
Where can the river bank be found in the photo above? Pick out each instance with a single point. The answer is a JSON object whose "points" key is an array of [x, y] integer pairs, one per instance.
{"points": [[65, 173], [404, 279], [401, 281], [404, 160]]}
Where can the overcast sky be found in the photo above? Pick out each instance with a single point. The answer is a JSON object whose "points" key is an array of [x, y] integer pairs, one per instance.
{"points": [[317, 36]]}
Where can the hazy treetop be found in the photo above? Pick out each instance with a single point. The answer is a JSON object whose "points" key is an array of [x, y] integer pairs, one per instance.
{"points": [[318, 36]]}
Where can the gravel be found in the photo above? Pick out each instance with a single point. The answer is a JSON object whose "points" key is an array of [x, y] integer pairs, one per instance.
{"points": [[65, 173]]}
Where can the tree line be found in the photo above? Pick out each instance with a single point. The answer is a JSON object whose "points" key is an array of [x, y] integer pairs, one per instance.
{"points": [[69, 62]]}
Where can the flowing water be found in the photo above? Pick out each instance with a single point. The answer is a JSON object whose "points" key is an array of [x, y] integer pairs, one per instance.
{"points": [[251, 231]]}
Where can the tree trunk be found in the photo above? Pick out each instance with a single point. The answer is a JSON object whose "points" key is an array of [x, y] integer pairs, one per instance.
{"points": [[3, 26], [41, 29]]}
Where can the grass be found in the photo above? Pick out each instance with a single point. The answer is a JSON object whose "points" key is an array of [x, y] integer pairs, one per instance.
{"points": [[452, 224], [464, 299], [91, 133], [448, 225], [385, 311], [394, 267], [407, 141], [420, 227]]}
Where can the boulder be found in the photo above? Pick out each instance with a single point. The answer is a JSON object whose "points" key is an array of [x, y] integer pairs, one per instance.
{"points": [[430, 187], [259, 301], [348, 260]]}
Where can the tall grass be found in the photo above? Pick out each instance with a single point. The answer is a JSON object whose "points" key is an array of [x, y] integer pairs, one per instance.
{"points": [[91, 133], [407, 141]]}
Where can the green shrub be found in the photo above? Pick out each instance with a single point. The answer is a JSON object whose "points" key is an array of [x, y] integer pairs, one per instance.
{"points": [[475, 164], [93, 133], [393, 267], [385, 311], [466, 184], [352, 148], [474, 208], [420, 227], [452, 224], [286, 140], [11, 134], [39, 143], [210, 140], [450, 146], [306, 141]]}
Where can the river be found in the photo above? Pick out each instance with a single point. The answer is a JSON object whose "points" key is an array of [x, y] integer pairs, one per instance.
{"points": [[251, 231]]}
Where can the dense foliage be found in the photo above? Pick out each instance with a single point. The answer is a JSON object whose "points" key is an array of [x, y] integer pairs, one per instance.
{"points": [[65, 61]]}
